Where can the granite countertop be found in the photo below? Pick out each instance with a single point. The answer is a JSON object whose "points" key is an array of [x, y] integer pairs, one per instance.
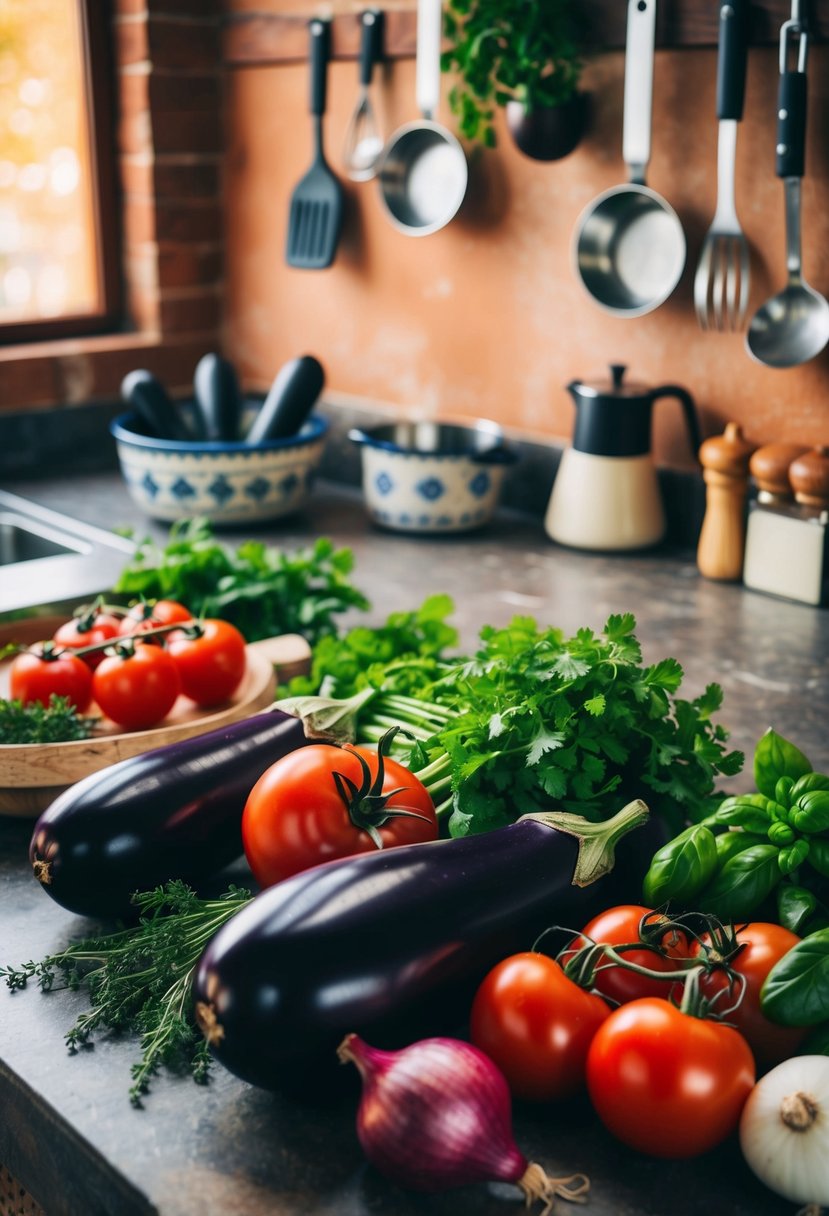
{"points": [[67, 1131]]}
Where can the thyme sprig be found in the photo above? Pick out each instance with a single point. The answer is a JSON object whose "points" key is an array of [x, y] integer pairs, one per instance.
{"points": [[139, 979]]}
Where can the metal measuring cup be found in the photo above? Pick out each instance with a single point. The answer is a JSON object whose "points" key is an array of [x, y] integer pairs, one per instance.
{"points": [[629, 246]]}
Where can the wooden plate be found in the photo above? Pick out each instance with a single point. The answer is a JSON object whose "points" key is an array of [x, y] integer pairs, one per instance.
{"points": [[33, 774]]}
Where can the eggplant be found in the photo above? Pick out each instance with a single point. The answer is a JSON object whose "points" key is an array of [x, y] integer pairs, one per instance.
{"points": [[390, 945], [173, 812]]}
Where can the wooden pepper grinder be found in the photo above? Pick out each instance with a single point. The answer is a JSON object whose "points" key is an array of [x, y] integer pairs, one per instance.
{"points": [[725, 459]]}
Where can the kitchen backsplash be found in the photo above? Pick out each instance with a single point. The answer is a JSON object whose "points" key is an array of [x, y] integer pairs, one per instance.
{"points": [[487, 317]]}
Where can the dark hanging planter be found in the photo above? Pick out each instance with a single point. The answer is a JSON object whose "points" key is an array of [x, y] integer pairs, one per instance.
{"points": [[549, 132]]}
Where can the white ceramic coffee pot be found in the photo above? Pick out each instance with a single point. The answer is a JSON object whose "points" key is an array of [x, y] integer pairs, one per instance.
{"points": [[606, 494]]}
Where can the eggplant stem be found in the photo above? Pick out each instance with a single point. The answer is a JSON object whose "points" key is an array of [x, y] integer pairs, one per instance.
{"points": [[597, 841]]}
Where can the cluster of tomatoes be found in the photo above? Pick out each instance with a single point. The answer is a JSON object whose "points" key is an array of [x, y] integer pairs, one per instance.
{"points": [[664, 1080], [133, 664]]}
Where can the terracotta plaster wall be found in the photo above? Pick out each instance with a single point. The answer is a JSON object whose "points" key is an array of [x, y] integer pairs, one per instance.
{"points": [[487, 316]]}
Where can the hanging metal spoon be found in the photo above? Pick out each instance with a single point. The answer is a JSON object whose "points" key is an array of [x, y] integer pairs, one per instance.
{"points": [[363, 141], [793, 326]]}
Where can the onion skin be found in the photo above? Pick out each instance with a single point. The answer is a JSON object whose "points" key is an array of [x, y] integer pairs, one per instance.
{"points": [[173, 812], [438, 1114], [392, 944], [784, 1130]]}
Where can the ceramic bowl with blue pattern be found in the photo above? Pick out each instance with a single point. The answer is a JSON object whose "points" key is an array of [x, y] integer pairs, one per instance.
{"points": [[229, 483], [432, 476]]}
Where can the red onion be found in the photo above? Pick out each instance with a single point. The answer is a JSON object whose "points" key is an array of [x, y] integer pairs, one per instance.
{"points": [[438, 1114]]}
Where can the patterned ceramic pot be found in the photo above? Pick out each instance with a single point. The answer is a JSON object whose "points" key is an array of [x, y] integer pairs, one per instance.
{"points": [[229, 483], [432, 477]]}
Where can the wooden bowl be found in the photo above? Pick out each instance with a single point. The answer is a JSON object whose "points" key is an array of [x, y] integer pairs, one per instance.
{"points": [[33, 774]]}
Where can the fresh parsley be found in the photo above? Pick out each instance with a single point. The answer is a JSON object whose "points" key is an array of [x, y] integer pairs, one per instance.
{"points": [[532, 720], [57, 722], [260, 589]]}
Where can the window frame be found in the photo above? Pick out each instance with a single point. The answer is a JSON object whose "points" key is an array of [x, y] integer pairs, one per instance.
{"points": [[95, 26]]}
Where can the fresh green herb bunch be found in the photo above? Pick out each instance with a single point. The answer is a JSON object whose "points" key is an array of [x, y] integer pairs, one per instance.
{"points": [[261, 590], [57, 722], [139, 979], [533, 720], [505, 50], [770, 847]]}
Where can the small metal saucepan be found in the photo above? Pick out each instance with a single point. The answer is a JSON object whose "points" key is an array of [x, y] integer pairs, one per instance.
{"points": [[629, 243], [423, 171]]}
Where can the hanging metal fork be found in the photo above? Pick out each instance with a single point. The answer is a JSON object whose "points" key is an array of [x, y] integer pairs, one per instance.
{"points": [[721, 283]]}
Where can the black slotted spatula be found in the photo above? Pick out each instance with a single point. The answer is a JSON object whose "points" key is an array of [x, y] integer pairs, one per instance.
{"points": [[317, 201]]}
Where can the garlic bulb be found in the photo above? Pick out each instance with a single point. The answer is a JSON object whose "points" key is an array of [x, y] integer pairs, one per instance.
{"points": [[784, 1129]]}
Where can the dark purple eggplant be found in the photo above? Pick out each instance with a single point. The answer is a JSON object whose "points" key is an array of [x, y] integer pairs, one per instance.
{"points": [[389, 945], [174, 812]]}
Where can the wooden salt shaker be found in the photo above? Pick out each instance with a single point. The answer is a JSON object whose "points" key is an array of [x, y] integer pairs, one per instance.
{"points": [[725, 460]]}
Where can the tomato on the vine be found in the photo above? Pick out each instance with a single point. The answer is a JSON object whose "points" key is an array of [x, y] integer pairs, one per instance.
{"points": [[537, 1025], [44, 671], [665, 1082], [149, 614], [137, 686], [211, 660], [618, 926], [763, 945], [89, 629], [322, 802]]}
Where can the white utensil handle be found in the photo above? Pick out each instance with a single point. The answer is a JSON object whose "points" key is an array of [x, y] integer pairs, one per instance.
{"points": [[639, 54], [429, 31]]}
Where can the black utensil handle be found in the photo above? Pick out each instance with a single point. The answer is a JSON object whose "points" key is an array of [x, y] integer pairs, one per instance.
{"points": [[791, 124], [371, 43], [689, 409], [731, 61], [319, 31]]}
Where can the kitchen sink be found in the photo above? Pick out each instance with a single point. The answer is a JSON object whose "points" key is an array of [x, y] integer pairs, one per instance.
{"points": [[50, 562]]}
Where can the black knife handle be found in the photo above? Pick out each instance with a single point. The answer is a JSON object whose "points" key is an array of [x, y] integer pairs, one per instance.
{"points": [[732, 57], [791, 124], [319, 32], [371, 21]]}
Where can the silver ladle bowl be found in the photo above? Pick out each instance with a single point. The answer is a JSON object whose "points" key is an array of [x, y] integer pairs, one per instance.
{"points": [[793, 326]]}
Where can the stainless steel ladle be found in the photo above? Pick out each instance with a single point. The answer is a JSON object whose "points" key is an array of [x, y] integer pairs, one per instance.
{"points": [[793, 326]]}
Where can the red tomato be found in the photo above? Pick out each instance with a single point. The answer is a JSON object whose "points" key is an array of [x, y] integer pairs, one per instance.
{"points": [[88, 630], [619, 926], [295, 816], [666, 1083], [537, 1026], [149, 614], [212, 665], [35, 676], [137, 689], [765, 944]]}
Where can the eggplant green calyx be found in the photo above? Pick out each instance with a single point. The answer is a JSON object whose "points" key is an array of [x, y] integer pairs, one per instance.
{"points": [[597, 841], [367, 804]]}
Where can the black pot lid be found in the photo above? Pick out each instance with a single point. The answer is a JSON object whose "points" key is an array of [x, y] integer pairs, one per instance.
{"points": [[616, 386]]}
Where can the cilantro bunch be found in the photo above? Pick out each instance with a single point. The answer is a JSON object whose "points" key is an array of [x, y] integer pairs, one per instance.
{"points": [[260, 589], [533, 720]]}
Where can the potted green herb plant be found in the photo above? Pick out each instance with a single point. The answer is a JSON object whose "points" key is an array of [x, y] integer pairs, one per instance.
{"points": [[523, 55]]}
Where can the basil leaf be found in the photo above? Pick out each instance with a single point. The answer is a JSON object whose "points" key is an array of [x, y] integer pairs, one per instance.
{"points": [[794, 906], [811, 811], [776, 757], [681, 867], [742, 884], [796, 990]]}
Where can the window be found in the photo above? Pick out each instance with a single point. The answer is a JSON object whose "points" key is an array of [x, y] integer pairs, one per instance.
{"points": [[58, 251]]}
